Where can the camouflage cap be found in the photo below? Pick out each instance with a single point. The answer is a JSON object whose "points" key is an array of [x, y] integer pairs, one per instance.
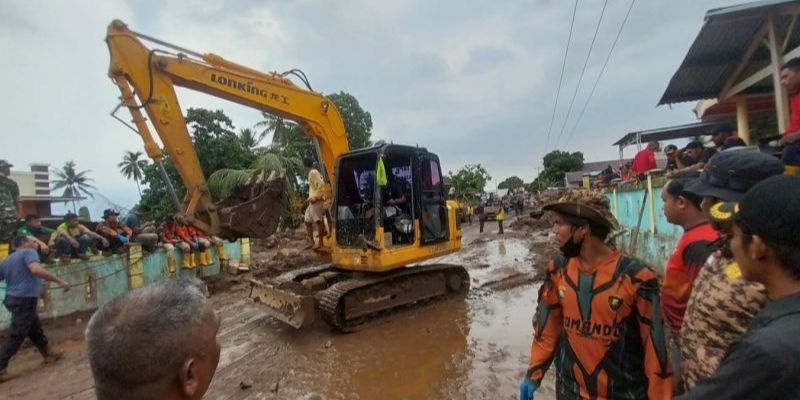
{"points": [[592, 205], [5, 163]]}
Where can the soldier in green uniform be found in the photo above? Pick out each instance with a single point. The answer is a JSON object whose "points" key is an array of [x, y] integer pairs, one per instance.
{"points": [[9, 198]]}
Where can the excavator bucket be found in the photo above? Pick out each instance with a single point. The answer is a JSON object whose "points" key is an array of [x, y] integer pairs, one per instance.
{"points": [[291, 308], [253, 211]]}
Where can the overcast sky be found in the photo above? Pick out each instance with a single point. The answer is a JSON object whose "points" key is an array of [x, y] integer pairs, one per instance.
{"points": [[473, 81]]}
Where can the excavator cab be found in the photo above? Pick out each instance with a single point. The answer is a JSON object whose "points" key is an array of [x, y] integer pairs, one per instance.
{"points": [[390, 203], [390, 212]]}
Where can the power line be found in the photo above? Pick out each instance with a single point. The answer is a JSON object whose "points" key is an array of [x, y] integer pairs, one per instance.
{"points": [[602, 70], [583, 71], [561, 78]]}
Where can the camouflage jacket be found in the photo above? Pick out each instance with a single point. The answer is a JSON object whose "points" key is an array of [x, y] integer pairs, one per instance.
{"points": [[9, 196], [720, 308]]}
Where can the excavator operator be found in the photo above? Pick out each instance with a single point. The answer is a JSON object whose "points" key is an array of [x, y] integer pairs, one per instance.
{"points": [[398, 208]]}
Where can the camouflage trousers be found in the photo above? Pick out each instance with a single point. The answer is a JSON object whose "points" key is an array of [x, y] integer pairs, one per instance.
{"points": [[7, 227]]}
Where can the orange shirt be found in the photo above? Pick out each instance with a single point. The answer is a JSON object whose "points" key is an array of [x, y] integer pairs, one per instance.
{"points": [[690, 254], [184, 232], [168, 233], [602, 327]]}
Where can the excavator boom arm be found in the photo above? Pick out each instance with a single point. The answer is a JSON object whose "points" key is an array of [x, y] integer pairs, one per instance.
{"points": [[151, 76]]}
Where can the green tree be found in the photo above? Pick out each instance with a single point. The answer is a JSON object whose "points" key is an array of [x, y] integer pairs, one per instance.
{"points": [[288, 136], [469, 181], [512, 182], [272, 124], [556, 164], [132, 167], [73, 182], [357, 121], [217, 147], [215, 142], [249, 138], [156, 193]]}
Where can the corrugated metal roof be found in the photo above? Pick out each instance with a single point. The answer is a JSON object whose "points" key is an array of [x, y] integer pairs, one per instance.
{"points": [[668, 133], [719, 47]]}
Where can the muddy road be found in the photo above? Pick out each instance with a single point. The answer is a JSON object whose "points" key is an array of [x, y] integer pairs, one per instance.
{"points": [[473, 348]]}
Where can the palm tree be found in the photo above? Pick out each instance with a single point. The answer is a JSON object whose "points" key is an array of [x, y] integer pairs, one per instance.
{"points": [[278, 126], [271, 162], [249, 138], [74, 183], [132, 167]]}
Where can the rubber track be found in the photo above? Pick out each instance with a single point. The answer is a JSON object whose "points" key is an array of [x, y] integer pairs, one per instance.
{"points": [[330, 299]]}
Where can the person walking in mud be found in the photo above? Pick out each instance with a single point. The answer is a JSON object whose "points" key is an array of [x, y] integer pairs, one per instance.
{"points": [[599, 313], [481, 212], [23, 274], [500, 216]]}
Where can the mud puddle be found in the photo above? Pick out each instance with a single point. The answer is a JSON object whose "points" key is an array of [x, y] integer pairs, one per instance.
{"points": [[474, 348]]}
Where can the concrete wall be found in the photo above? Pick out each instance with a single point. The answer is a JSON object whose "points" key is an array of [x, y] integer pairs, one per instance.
{"points": [[100, 279], [657, 237]]}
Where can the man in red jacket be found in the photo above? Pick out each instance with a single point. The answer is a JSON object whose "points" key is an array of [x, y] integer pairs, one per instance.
{"points": [[645, 160], [790, 80]]}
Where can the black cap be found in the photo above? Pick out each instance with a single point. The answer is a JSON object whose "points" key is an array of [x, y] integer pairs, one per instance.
{"points": [[694, 144], [771, 210], [729, 174], [70, 215], [108, 212], [722, 129], [670, 148]]}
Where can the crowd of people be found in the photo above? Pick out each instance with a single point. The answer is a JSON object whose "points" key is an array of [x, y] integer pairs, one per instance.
{"points": [[72, 239], [722, 322]]}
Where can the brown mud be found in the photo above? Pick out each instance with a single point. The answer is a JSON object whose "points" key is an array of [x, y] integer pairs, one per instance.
{"points": [[472, 348]]}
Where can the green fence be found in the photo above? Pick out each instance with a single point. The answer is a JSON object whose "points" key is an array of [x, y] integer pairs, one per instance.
{"points": [[101, 279], [647, 234]]}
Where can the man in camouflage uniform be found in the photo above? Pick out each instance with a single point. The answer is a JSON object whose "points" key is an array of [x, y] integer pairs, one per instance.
{"points": [[9, 197], [722, 303]]}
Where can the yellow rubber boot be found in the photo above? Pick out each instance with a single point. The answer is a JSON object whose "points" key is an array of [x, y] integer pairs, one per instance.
{"points": [[209, 257], [187, 260], [221, 253], [4, 249], [791, 170], [197, 260], [171, 265]]}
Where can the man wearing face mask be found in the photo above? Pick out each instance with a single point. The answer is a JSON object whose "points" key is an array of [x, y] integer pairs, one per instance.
{"points": [[599, 314]]}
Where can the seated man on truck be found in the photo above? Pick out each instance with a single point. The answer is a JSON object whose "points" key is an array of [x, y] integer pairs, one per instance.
{"points": [[116, 234], [189, 236], [168, 238], [38, 234], [144, 232], [72, 239]]}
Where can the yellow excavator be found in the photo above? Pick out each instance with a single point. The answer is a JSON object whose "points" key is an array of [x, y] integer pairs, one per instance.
{"points": [[389, 204]]}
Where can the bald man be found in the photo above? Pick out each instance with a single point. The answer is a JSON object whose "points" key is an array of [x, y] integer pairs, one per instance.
{"points": [[157, 342]]}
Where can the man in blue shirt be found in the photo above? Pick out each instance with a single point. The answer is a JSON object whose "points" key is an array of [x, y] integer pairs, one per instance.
{"points": [[143, 232], [23, 275]]}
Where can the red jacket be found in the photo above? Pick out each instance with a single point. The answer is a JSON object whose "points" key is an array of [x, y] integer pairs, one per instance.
{"points": [[794, 114], [644, 161]]}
